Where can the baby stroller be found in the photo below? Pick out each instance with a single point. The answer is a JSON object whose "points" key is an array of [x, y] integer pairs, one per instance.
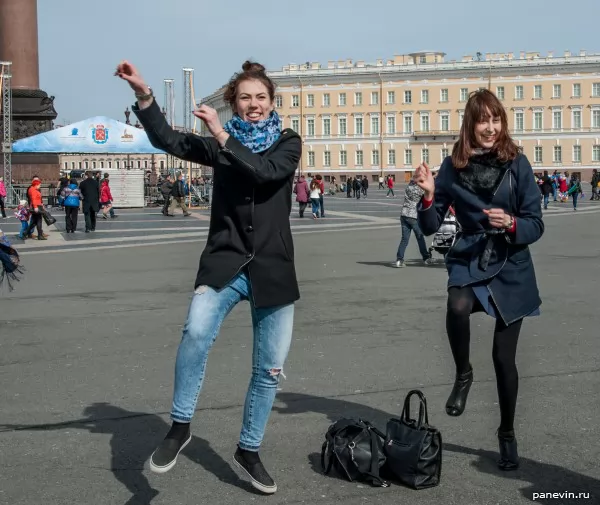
{"points": [[444, 238]]}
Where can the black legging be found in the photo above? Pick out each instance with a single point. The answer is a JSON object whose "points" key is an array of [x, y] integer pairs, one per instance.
{"points": [[461, 302]]}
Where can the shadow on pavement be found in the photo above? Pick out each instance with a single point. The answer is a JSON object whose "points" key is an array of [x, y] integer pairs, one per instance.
{"points": [[538, 477], [133, 438]]}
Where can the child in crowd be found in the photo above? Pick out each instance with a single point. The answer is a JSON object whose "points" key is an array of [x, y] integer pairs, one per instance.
{"points": [[22, 214]]}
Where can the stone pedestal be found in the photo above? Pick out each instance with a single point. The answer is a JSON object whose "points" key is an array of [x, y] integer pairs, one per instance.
{"points": [[33, 110]]}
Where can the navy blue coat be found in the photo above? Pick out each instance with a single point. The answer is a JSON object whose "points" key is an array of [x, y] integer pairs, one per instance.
{"points": [[507, 270]]}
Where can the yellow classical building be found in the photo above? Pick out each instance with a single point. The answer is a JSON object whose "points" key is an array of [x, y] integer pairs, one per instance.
{"points": [[385, 117]]}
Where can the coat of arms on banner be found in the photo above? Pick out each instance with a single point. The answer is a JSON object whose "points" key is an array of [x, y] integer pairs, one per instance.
{"points": [[100, 134]]}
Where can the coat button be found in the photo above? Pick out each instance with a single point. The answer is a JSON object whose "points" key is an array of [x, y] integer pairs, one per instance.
{"points": [[249, 229], [249, 255]]}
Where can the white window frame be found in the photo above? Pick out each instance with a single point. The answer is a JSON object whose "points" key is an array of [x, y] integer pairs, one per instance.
{"points": [[375, 125], [556, 91], [444, 95], [342, 99], [408, 157], [576, 113], [425, 154], [445, 116], [500, 92], [424, 96], [326, 99], [374, 97], [310, 100], [343, 120], [343, 158], [391, 157], [295, 100], [407, 94], [391, 124], [540, 114], [538, 92], [554, 113], [326, 158], [557, 150], [278, 101], [391, 97], [375, 157], [326, 121], [596, 153], [310, 162], [519, 92], [596, 89], [595, 118], [425, 116], [576, 90], [311, 125], [464, 94], [577, 153], [357, 120], [519, 114], [358, 98], [359, 153], [405, 117], [538, 154]]}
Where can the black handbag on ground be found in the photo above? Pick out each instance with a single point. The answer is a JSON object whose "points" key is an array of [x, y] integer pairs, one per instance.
{"points": [[355, 449], [49, 219], [413, 448]]}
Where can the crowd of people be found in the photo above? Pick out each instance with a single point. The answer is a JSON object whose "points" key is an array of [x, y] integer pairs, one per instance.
{"points": [[562, 187]]}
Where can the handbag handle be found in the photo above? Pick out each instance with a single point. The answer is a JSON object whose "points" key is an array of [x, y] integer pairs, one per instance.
{"points": [[423, 413]]}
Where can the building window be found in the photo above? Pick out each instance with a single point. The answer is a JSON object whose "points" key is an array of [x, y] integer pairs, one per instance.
{"points": [[375, 157], [326, 126], [139, 163], [537, 91], [576, 90], [576, 154], [86, 165], [461, 118], [596, 153], [392, 157], [422, 59], [343, 158], [391, 97], [557, 119], [408, 156], [538, 120], [408, 96], [327, 158], [310, 100], [359, 158], [296, 125], [118, 164], [500, 92], [445, 153], [408, 123], [424, 96], [596, 89], [358, 98], [425, 155], [538, 154], [519, 121], [464, 94], [557, 154], [358, 125], [342, 126], [66, 165], [576, 119], [444, 122], [391, 125], [374, 125], [73, 165], [342, 99], [278, 101], [444, 95], [93, 165], [295, 100], [595, 118], [424, 122], [310, 127], [556, 91], [326, 100], [519, 93], [374, 97], [311, 158]]}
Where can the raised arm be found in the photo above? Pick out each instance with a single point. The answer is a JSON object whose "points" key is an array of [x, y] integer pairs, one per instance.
{"points": [[435, 204], [275, 166]]}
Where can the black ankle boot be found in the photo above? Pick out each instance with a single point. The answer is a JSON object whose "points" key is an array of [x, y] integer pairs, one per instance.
{"points": [[509, 457], [457, 400]]}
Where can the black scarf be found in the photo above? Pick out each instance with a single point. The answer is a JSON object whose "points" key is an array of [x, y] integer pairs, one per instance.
{"points": [[483, 174]]}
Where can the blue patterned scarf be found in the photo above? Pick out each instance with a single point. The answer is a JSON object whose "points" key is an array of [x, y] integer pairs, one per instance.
{"points": [[257, 137]]}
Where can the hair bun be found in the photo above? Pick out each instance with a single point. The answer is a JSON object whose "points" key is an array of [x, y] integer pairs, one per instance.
{"points": [[251, 66]]}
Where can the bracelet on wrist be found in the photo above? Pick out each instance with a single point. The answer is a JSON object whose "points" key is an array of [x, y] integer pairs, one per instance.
{"points": [[145, 96]]}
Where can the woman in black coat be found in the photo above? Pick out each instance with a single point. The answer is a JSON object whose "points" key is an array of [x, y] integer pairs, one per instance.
{"points": [[249, 254], [497, 202]]}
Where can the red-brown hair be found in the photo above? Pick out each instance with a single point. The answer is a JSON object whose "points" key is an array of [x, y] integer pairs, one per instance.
{"points": [[251, 71], [480, 104]]}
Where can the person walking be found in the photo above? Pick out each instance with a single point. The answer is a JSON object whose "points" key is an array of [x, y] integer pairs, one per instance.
{"points": [[315, 192], [178, 197], [390, 185], [249, 253], [546, 188], [409, 223], [106, 198], [574, 190], [91, 200], [491, 186], [2, 197], [36, 205], [166, 189], [595, 182], [302, 195], [71, 198]]}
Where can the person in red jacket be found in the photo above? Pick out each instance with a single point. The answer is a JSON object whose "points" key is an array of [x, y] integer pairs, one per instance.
{"points": [[322, 186], [106, 199], [390, 185], [34, 195]]}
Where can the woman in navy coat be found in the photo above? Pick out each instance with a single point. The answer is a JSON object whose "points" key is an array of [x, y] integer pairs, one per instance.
{"points": [[493, 190]]}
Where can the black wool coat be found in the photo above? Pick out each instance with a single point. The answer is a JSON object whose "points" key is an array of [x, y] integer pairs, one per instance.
{"points": [[90, 191], [251, 204], [508, 272]]}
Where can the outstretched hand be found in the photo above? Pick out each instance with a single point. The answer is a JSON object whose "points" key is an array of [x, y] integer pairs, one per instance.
{"points": [[129, 73], [423, 177]]}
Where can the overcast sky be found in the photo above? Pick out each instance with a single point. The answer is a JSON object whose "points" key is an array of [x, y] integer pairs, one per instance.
{"points": [[81, 42]]}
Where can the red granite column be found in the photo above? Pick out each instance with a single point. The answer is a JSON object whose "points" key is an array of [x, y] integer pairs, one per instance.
{"points": [[19, 41]]}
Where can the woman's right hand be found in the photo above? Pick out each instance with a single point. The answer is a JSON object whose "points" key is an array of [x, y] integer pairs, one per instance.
{"points": [[424, 179], [129, 73]]}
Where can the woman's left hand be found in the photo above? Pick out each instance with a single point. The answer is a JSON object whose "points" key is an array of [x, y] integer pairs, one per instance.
{"points": [[210, 118], [498, 218]]}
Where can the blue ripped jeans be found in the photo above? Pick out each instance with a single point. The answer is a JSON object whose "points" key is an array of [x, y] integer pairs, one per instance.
{"points": [[272, 338]]}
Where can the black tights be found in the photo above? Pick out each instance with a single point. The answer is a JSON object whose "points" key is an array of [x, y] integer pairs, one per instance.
{"points": [[461, 302]]}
